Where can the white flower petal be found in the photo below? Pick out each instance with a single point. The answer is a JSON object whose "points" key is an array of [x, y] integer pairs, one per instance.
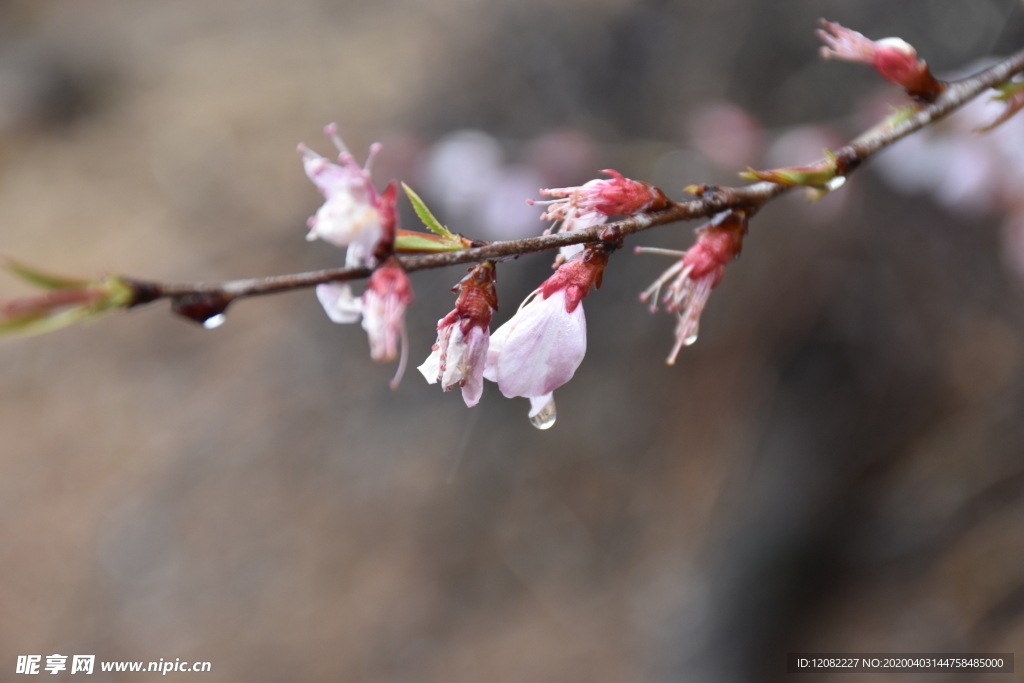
{"points": [[543, 348], [497, 343], [431, 368], [472, 364], [338, 302]]}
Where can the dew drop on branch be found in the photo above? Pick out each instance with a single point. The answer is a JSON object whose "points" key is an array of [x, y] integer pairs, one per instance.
{"points": [[214, 321]]}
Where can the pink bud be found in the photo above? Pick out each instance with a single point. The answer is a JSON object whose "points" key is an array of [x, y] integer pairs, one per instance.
{"points": [[619, 196], [893, 58]]}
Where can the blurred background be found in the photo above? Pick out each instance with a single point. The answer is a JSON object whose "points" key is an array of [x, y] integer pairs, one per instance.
{"points": [[836, 465]]}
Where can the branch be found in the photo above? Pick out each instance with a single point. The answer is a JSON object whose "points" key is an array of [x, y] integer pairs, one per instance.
{"points": [[712, 200]]}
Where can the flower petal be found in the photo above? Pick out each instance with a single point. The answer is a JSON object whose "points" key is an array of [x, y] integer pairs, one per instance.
{"points": [[543, 348], [338, 302], [431, 368]]}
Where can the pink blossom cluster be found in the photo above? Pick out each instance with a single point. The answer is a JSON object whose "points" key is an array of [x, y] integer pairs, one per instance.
{"points": [[534, 352]]}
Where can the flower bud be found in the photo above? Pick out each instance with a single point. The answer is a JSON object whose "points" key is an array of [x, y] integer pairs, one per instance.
{"points": [[64, 301], [893, 58]]}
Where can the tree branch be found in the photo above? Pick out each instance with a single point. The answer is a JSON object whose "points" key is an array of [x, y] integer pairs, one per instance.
{"points": [[711, 200]]}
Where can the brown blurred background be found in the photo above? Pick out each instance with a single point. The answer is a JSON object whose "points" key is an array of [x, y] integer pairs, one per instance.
{"points": [[836, 465]]}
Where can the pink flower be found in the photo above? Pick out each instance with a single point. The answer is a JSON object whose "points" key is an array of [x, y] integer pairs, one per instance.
{"points": [[893, 58], [579, 208], [382, 309], [354, 215], [463, 336], [540, 347], [616, 197], [698, 271]]}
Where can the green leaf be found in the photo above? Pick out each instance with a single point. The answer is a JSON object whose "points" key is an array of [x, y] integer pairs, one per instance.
{"points": [[46, 315], [1008, 90], [41, 279], [35, 323], [425, 243], [428, 219]]}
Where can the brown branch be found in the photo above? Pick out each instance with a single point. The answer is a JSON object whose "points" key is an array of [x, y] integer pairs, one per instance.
{"points": [[712, 200]]}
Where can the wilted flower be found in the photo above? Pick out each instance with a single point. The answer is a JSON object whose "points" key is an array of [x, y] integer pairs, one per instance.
{"points": [[463, 336], [699, 270], [354, 215], [540, 347], [893, 58], [382, 308]]}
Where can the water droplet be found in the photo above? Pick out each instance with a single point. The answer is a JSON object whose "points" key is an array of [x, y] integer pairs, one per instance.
{"points": [[546, 417], [690, 338], [205, 308], [214, 321]]}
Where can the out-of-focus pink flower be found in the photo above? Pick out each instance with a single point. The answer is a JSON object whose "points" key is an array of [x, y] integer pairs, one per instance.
{"points": [[354, 215], [459, 357], [540, 347], [689, 282], [561, 156], [726, 134], [1013, 243], [619, 196], [382, 309], [893, 58], [1012, 96]]}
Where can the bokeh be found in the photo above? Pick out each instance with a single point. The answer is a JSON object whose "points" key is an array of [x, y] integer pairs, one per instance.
{"points": [[836, 465]]}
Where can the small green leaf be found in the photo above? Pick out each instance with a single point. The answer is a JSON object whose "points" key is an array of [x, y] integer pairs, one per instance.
{"points": [[1008, 90], [35, 323], [428, 219], [424, 243], [62, 307], [41, 279]]}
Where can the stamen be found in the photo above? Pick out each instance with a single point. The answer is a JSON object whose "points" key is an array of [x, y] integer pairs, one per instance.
{"points": [[528, 299], [331, 131], [374, 150], [307, 152], [403, 359], [658, 250], [653, 291]]}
